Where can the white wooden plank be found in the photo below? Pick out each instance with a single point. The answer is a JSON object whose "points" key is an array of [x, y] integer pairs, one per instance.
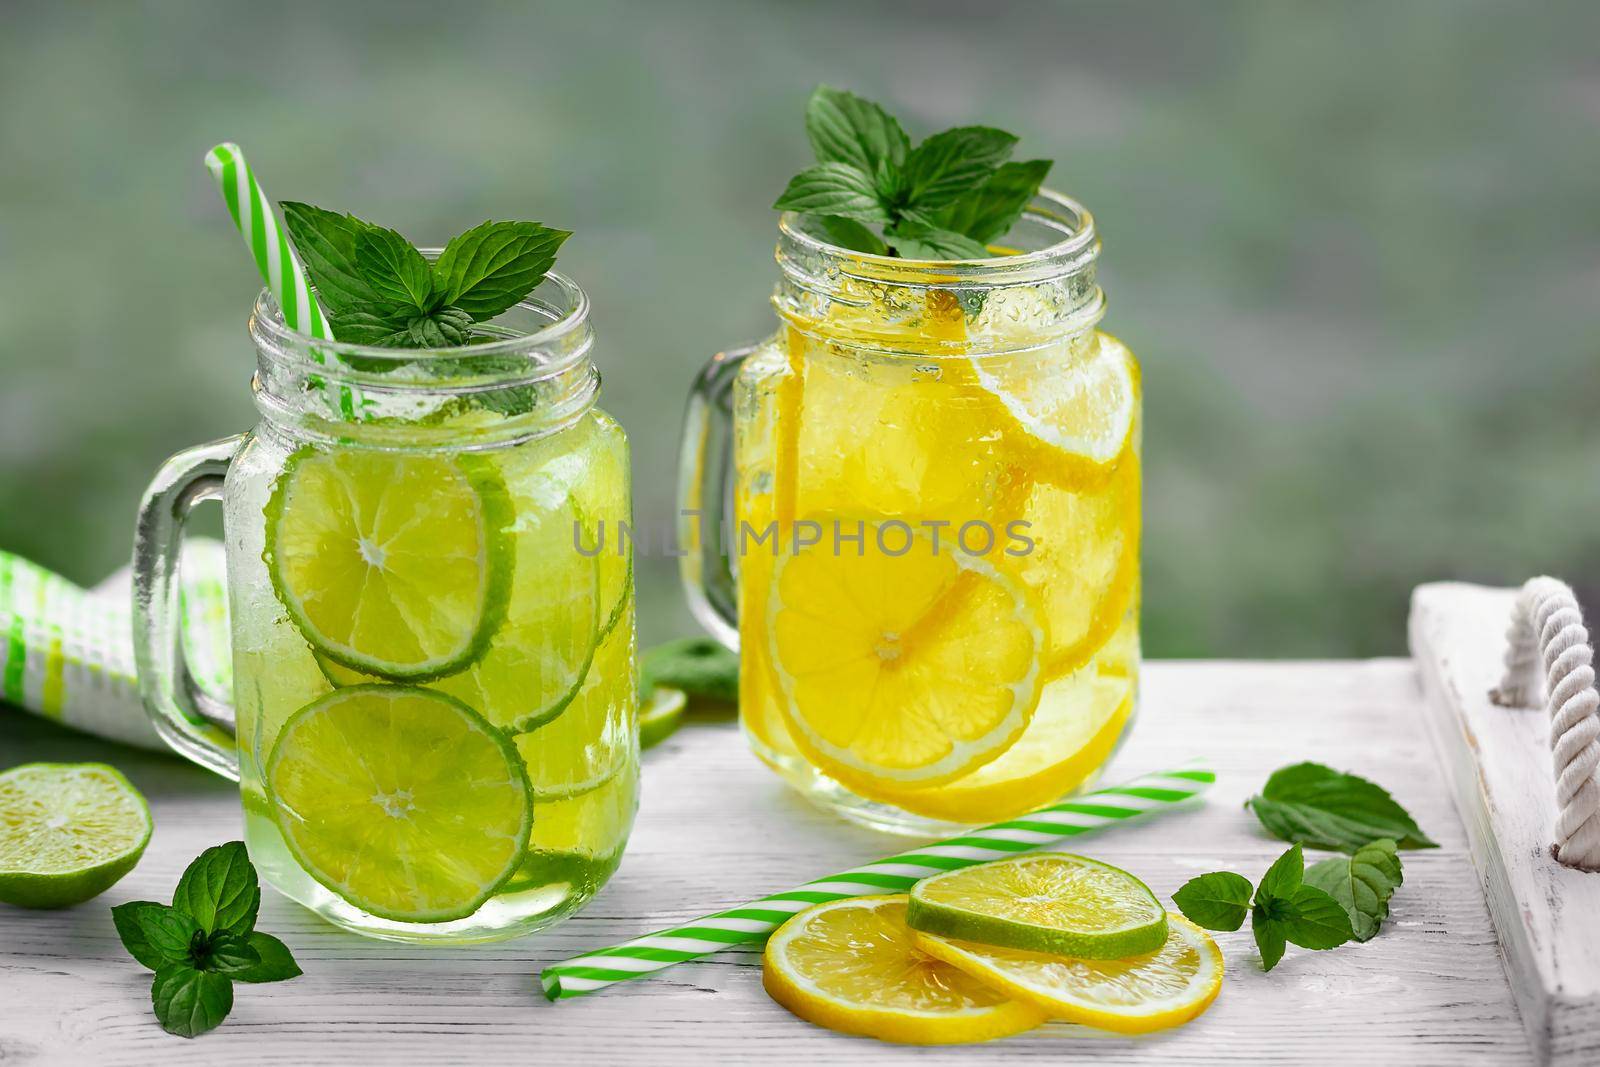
{"points": [[1547, 915], [1428, 990]]}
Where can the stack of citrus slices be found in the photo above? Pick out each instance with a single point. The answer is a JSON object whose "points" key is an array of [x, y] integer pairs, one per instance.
{"points": [[481, 666], [993, 950], [971, 655]]}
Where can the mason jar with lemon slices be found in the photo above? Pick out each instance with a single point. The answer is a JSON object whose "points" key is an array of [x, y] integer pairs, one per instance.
{"points": [[931, 568], [435, 728]]}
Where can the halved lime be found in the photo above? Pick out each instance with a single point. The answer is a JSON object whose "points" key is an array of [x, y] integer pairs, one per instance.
{"points": [[660, 714], [596, 736], [1050, 902], [540, 654], [68, 832], [392, 564], [403, 801]]}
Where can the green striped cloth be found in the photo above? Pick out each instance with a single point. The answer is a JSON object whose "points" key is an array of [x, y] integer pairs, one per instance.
{"points": [[66, 652]]}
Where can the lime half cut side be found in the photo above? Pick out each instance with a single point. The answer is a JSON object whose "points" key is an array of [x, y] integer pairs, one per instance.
{"points": [[392, 564], [403, 801], [68, 832], [1051, 902]]}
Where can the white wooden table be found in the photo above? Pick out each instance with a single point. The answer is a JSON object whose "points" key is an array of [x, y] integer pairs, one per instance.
{"points": [[1429, 989]]}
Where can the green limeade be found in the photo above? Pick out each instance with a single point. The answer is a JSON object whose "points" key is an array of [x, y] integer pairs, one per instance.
{"points": [[434, 668]]}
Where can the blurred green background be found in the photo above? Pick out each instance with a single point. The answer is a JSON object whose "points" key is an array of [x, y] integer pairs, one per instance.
{"points": [[1356, 245]]}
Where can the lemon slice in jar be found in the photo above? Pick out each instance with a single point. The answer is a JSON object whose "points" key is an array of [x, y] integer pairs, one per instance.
{"points": [[901, 668]]}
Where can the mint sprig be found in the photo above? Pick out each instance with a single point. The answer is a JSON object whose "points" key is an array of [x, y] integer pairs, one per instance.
{"points": [[377, 289], [1284, 909], [1362, 884], [945, 199], [204, 941], [1324, 808]]}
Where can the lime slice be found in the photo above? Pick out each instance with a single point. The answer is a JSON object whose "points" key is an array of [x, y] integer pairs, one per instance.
{"points": [[1130, 996], [587, 463], [391, 564], [853, 966], [1043, 902], [68, 832], [594, 738], [540, 654], [661, 714], [405, 802]]}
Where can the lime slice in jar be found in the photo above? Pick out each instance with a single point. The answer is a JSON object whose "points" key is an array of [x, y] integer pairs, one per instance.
{"points": [[403, 801], [539, 656], [396, 565]]}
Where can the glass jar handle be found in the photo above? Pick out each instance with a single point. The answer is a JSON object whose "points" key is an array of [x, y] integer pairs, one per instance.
{"points": [[705, 486], [194, 724]]}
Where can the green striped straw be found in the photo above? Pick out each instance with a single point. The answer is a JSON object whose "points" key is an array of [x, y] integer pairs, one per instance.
{"points": [[269, 246], [753, 922]]}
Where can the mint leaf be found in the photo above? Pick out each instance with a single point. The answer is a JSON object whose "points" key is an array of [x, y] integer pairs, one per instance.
{"points": [[128, 920], [844, 128], [154, 934], [833, 189], [950, 164], [226, 955], [326, 242], [395, 270], [492, 266], [1323, 808], [1217, 901], [697, 665], [446, 328], [1313, 919], [1362, 884], [274, 963], [1286, 910], [188, 1001], [848, 233], [989, 211], [917, 241], [1269, 942], [219, 890]]}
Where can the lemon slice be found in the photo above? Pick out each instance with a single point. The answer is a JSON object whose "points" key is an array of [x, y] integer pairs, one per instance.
{"points": [[68, 832], [853, 966], [391, 564], [1079, 720], [1132, 996], [1084, 561], [901, 668], [540, 654], [1043, 902], [403, 801], [1082, 409]]}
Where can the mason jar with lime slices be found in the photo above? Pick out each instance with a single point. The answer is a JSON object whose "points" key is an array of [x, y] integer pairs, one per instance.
{"points": [[932, 566], [434, 727]]}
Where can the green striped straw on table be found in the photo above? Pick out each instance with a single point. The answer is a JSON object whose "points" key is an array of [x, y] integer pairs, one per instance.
{"points": [[269, 246], [753, 922]]}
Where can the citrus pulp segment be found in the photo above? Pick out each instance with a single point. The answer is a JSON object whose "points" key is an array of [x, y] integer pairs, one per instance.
{"points": [[1078, 398], [1074, 730], [853, 966], [68, 832], [389, 563], [902, 669], [405, 802], [1132, 996], [1052, 902]]}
